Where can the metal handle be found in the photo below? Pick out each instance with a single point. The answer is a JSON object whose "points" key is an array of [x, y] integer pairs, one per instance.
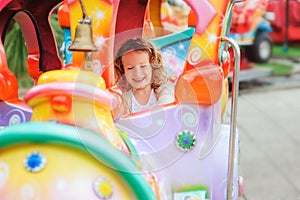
{"points": [[234, 95]]}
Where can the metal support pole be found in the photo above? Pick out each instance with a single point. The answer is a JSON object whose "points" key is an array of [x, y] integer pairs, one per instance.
{"points": [[286, 39], [234, 95]]}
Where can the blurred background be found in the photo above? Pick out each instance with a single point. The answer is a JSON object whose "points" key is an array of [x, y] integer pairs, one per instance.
{"points": [[268, 105], [267, 32]]}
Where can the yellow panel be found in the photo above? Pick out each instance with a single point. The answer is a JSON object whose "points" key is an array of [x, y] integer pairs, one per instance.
{"points": [[68, 174]]}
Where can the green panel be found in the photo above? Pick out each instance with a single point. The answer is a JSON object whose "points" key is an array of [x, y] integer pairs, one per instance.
{"points": [[83, 140], [173, 38]]}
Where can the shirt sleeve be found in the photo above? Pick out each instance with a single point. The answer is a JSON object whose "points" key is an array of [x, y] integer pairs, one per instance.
{"points": [[165, 94]]}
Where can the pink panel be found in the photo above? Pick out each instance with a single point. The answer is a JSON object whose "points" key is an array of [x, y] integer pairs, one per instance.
{"points": [[204, 12]]}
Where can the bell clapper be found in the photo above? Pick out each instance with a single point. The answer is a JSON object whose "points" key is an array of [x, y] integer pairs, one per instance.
{"points": [[88, 61]]}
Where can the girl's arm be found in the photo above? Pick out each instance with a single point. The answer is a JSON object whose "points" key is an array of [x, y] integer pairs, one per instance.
{"points": [[121, 108]]}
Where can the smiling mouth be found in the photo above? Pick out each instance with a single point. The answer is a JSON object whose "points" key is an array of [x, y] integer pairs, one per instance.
{"points": [[138, 80]]}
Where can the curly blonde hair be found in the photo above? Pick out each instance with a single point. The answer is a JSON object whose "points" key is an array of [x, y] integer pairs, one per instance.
{"points": [[159, 75]]}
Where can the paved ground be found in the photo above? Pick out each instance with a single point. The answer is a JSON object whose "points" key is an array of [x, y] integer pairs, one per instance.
{"points": [[269, 126], [269, 129]]}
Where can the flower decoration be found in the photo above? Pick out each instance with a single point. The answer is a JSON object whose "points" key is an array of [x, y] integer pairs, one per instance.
{"points": [[103, 188], [186, 140], [35, 162]]}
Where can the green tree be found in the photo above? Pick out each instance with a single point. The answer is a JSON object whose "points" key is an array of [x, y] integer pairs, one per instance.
{"points": [[16, 50]]}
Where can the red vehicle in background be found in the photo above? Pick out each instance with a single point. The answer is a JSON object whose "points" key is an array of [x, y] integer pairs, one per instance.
{"points": [[286, 25], [251, 28]]}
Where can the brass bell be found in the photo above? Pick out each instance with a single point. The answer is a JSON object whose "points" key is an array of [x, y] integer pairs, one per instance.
{"points": [[83, 40]]}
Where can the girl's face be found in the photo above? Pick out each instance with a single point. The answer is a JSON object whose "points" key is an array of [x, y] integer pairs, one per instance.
{"points": [[138, 71]]}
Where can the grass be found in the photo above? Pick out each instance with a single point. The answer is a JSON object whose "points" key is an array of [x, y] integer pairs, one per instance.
{"points": [[277, 68], [16, 51], [25, 81], [291, 52]]}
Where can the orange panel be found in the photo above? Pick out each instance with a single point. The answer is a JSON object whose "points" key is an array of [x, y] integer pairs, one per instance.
{"points": [[200, 85]]}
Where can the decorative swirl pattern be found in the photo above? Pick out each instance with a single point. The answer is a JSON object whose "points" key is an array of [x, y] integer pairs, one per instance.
{"points": [[190, 119], [189, 116], [194, 56], [15, 116], [28, 192], [4, 172], [169, 53]]}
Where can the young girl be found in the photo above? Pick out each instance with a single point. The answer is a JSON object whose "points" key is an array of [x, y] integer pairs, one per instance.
{"points": [[141, 76]]}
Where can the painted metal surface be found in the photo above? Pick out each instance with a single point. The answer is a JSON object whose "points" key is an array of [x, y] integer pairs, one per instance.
{"points": [[172, 151]]}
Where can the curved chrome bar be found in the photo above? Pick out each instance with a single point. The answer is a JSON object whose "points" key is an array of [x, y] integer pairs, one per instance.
{"points": [[234, 95]]}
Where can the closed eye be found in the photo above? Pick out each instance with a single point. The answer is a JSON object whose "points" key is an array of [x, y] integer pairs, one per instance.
{"points": [[146, 65]]}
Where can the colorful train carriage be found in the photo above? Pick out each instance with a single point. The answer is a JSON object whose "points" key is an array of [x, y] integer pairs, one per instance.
{"points": [[176, 151]]}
